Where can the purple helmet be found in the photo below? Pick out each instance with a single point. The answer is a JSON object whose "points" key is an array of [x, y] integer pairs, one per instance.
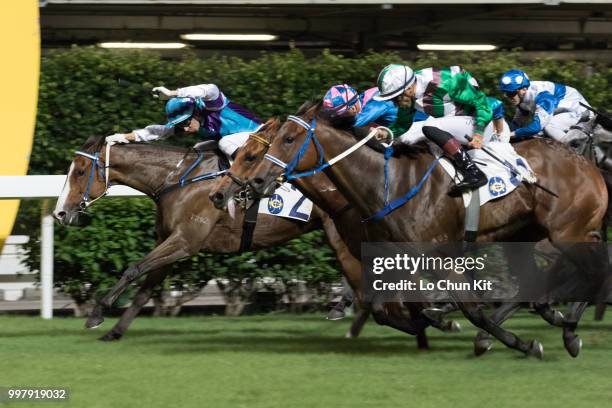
{"points": [[339, 99]]}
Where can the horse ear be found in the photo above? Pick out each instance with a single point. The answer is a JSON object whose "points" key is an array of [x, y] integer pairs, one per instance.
{"points": [[271, 124], [274, 123]]}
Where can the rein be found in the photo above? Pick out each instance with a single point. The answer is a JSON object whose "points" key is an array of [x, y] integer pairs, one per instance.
{"points": [[321, 165], [184, 181], [104, 170], [311, 135]]}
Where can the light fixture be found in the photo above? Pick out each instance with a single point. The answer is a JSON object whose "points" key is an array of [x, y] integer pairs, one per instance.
{"points": [[161, 46], [229, 37], [456, 47]]}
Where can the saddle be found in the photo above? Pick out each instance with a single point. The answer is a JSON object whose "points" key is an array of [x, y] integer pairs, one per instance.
{"points": [[213, 146]]}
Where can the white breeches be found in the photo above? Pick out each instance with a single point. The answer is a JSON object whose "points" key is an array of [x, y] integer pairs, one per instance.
{"points": [[559, 125], [458, 126], [230, 143]]}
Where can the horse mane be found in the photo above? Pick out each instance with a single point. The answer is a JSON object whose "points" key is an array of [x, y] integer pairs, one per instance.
{"points": [[93, 144], [96, 143], [309, 105]]}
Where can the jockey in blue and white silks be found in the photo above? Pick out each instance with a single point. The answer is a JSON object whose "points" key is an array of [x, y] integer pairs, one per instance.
{"points": [[554, 107], [200, 109]]}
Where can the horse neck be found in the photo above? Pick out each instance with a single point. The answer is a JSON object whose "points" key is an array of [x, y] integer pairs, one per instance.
{"points": [[142, 167], [322, 191], [359, 176]]}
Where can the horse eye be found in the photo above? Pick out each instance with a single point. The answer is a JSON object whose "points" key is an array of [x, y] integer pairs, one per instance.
{"points": [[250, 158], [289, 139], [80, 172]]}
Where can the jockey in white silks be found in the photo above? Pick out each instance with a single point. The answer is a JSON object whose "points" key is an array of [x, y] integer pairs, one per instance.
{"points": [[554, 108], [203, 110]]}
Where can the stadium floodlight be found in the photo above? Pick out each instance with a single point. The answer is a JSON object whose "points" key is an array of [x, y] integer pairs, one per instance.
{"points": [[456, 47], [160, 46], [228, 37]]}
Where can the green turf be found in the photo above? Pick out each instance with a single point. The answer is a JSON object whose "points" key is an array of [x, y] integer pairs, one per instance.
{"points": [[299, 361]]}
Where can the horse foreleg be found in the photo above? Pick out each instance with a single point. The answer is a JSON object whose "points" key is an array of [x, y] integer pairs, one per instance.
{"points": [[395, 319], [474, 314], [141, 298], [169, 251], [482, 341]]}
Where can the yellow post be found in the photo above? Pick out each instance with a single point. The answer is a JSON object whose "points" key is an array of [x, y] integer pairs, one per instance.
{"points": [[20, 47]]}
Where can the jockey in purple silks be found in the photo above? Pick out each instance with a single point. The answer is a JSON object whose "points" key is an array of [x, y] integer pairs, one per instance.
{"points": [[203, 110]]}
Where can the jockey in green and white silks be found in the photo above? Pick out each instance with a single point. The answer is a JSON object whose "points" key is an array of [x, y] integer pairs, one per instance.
{"points": [[203, 110], [554, 108], [441, 93]]}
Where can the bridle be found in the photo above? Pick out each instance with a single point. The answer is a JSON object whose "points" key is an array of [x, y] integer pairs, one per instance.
{"points": [[103, 170], [321, 163]]}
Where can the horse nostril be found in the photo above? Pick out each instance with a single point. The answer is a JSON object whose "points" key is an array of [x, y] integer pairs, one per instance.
{"points": [[257, 182], [60, 215], [217, 198]]}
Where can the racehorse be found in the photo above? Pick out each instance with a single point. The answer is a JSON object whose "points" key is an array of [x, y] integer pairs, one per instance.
{"points": [[186, 221], [346, 220], [528, 214]]}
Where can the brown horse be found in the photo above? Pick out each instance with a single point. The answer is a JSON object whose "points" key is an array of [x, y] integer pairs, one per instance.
{"points": [[186, 221], [528, 214], [347, 222]]}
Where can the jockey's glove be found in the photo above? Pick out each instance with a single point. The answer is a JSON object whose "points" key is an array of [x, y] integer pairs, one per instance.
{"points": [[117, 138], [477, 141], [163, 93]]}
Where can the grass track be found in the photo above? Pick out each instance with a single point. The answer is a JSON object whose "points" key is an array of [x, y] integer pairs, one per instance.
{"points": [[299, 361]]}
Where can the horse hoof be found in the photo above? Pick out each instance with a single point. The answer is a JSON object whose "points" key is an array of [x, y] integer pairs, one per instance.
{"points": [[454, 327], [349, 335], [335, 315], [482, 345], [111, 336], [536, 349], [558, 319], [94, 322], [433, 314], [573, 345]]}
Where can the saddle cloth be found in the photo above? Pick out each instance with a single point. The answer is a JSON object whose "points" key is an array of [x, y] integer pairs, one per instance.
{"points": [[287, 201], [501, 180]]}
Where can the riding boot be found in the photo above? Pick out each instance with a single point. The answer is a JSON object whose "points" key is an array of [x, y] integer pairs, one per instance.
{"points": [[473, 177]]}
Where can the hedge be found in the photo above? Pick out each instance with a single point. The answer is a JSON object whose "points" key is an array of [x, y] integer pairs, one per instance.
{"points": [[80, 96]]}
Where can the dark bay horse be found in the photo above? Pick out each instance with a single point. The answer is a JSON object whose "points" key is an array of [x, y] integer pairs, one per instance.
{"points": [[528, 214], [186, 221]]}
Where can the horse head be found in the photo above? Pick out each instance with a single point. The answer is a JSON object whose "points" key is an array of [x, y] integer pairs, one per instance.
{"points": [[293, 148], [86, 182], [247, 158]]}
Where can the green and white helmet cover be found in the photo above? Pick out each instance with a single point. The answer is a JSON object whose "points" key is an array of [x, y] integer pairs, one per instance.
{"points": [[393, 80]]}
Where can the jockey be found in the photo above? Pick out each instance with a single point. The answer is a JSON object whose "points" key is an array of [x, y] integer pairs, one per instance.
{"points": [[461, 126], [440, 93], [202, 110], [555, 107]]}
